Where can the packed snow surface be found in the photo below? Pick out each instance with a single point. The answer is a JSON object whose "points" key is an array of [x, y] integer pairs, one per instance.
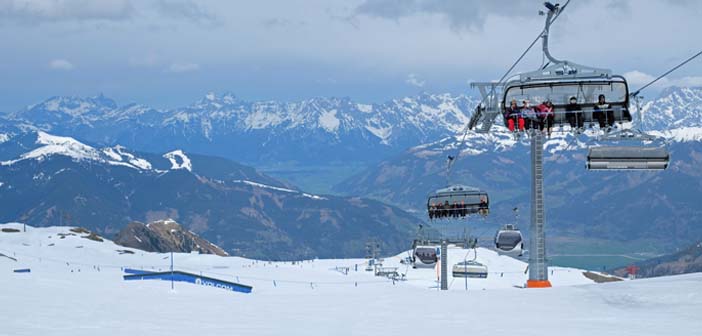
{"points": [[76, 288]]}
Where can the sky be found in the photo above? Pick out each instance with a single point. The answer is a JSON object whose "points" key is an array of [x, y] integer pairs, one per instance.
{"points": [[169, 53]]}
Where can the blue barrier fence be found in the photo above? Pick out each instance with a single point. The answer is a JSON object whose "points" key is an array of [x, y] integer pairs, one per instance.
{"points": [[136, 271], [22, 270], [187, 277]]}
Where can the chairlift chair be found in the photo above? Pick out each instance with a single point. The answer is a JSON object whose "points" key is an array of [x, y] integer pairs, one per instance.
{"points": [[470, 269], [457, 201], [424, 256], [627, 158]]}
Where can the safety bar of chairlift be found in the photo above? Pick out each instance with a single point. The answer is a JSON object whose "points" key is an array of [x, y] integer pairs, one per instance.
{"points": [[591, 120], [581, 111], [626, 165]]}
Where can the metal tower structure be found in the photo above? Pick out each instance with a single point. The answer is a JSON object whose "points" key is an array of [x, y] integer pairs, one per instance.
{"points": [[444, 264], [538, 270], [484, 117]]}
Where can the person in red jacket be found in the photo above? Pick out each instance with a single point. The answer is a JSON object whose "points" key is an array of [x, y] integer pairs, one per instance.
{"points": [[546, 115], [513, 117]]}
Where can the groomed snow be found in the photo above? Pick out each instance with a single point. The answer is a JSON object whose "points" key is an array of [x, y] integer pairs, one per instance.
{"points": [[75, 288]]}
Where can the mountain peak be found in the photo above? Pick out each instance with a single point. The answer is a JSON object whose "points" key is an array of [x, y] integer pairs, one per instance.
{"points": [[57, 145], [218, 100]]}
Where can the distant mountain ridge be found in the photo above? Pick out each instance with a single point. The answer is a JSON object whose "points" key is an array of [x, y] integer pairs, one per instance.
{"points": [[50, 180], [675, 107], [312, 131], [688, 260], [318, 129]]}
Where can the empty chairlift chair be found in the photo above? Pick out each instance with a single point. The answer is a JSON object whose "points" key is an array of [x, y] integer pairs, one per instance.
{"points": [[457, 201], [470, 269], [627, 158]]}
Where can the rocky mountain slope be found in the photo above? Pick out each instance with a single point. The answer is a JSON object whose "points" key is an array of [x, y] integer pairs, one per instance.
{"points": [[49, 180], [688, 260], [164, 236]]}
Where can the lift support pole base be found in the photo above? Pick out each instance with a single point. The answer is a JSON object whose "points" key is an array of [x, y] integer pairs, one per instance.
{"points": [[538, 284]]}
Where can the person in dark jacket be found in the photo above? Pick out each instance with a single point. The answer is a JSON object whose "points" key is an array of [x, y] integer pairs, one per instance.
{"points": [[546, 116], [603, 113], [574, 113]]}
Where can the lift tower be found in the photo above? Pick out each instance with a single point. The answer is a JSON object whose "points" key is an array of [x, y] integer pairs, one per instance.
{"points": [[482, 120]]}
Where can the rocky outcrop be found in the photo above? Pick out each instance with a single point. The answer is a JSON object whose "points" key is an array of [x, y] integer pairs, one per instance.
{"points": [[164, 236]]}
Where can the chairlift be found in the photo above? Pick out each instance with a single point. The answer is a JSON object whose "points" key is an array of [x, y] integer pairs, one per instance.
{"points": [[584, 84], [470, 269], [627, 158], [509, 241], [457, 201], [424, 256]]}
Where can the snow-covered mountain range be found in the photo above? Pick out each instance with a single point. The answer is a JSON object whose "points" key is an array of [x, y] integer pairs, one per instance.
{"points": [[312, 131], [317, 130], [675, 107]]}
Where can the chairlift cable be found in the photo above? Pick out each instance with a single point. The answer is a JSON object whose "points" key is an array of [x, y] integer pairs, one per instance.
{"points": [[453, 159], [666, 74]]}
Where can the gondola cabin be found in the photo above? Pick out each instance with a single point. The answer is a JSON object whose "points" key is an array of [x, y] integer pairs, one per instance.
{"points": [[509, 241], [627, 158], [457, 201]]}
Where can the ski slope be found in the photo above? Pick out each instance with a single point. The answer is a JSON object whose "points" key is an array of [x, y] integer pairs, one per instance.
{"points": [[76, 288]]}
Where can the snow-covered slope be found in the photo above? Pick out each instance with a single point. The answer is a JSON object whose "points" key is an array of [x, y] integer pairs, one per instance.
{"points": [[47, 145], [75, 288]]}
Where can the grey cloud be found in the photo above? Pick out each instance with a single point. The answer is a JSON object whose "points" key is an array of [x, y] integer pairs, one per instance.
{"points": [[186, 9], [282, 23], [38, 11], [461, 14]]}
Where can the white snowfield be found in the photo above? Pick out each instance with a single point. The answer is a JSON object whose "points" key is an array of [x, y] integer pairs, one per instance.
{"points": [[76, 288], [286, 190], [179, 160], [51, 145]]}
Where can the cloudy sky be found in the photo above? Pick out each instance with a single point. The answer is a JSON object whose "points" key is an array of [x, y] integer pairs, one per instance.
{"points": [[171, 52]]}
